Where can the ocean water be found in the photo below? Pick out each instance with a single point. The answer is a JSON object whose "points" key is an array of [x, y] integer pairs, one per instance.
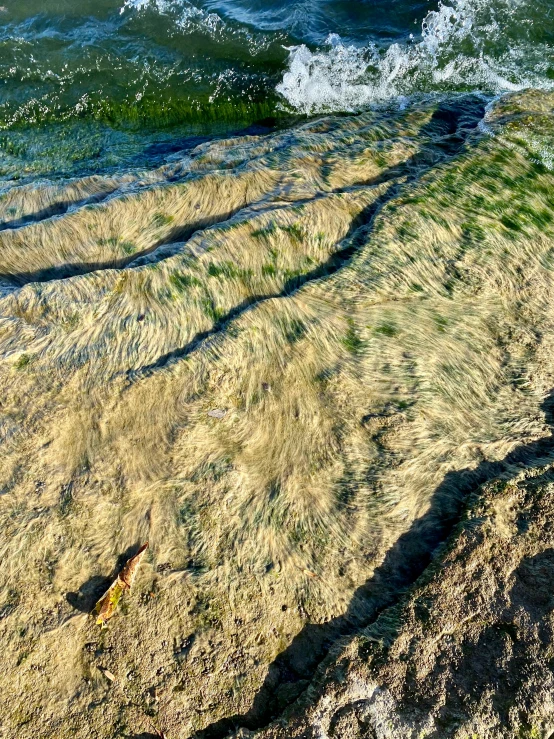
{"points": [[97, 84]]}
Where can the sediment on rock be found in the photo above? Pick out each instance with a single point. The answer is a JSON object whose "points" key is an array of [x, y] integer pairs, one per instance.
{"points": [[285, 361]]}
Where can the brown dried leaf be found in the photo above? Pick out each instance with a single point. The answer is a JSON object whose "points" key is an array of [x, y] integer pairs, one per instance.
{"points": [[128, 573], [107, 605]]}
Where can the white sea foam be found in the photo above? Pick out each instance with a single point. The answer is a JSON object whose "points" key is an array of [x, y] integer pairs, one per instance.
{"points": [[185, 14], [189, 18], [462, 46]]}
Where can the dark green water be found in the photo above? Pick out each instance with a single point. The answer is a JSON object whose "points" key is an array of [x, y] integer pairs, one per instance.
{"points": [[89, 85]]}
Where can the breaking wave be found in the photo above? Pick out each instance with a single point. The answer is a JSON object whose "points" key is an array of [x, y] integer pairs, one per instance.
{"points": [[467, 45]]}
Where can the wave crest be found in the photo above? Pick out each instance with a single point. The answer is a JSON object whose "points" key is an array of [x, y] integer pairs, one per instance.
{"points": [[468, 45]]}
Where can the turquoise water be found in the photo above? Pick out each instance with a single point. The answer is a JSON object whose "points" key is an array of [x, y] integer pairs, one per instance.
{"points": [[98, 84]]}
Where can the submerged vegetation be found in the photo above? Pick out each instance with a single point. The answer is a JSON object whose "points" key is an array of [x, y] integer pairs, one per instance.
{"points": [[267, 357]]}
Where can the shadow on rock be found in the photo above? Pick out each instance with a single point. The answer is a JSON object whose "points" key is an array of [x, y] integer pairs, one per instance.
{"points": [[293, 669], [89, 593], [94, 588]]}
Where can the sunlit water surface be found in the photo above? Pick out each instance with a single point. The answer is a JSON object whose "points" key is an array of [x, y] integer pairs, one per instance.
{"points": [[97, 84]]}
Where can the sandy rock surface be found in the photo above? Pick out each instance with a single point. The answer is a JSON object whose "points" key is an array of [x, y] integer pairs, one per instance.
{"points": [[290, 363]]}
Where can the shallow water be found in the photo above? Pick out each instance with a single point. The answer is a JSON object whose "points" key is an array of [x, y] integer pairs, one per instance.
{"points": [[99, 84], [270, 357]]}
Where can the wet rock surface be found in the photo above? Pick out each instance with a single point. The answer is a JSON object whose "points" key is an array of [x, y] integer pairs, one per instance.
{"points": [[313, 369]]}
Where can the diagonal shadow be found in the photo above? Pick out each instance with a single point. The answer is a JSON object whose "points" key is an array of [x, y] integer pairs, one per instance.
{"points": [[157, 151], [292, 670], [333, 264], [56, 208], [445, 135], [64, 271], [90, 591]]}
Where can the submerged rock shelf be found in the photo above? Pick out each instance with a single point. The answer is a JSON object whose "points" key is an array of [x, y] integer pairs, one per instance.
{"points": [[310, 368]]}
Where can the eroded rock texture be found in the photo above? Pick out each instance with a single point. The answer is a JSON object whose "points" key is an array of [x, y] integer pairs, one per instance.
{"points": [[468, 652]]}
